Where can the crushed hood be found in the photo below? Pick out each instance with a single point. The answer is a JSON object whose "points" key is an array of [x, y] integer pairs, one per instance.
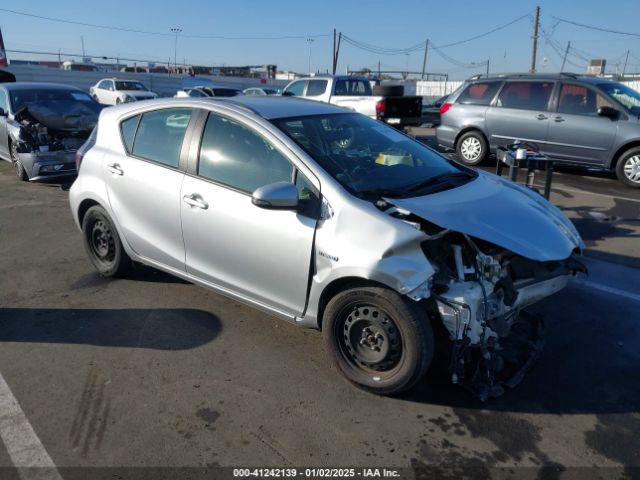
{"points": [[500, 212], [64, 115]]}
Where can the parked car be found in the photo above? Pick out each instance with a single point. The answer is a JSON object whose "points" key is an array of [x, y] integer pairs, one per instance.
{"points": [[113, 91], [7, 77], [386, 103], [261, 91], [330, 220], [209, 91], [42, 125], [572, 119]]}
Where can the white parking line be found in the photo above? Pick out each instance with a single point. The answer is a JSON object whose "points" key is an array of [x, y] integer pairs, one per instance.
{"points": [[607, 289], [23, 445]]}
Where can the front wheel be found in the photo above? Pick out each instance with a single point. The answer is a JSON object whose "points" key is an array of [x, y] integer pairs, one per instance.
{"points": [[102, 244], [382, 342], [628, 168], [472, 148], [21, 173]]}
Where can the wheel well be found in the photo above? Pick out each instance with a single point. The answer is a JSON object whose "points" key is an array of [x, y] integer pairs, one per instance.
{"points": [[338, 286], [467, 130], [620, 151], [84, 206]]}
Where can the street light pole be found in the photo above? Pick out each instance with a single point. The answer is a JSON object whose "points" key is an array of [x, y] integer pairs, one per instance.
{"points": [[177, 31], [310, 41]]}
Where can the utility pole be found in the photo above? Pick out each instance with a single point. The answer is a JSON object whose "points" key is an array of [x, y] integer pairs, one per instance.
{"points": [[624, 69], [424, 61], [488, 67], [177, 31], [378, 70], [336, 53], [310, 41], [564, 59], [333, 60], [536, 20], [82, 41]]}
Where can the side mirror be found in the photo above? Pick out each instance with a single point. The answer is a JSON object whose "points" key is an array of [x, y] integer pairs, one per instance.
{"points": [[608, 112], [3, 113], [276, 196], [287, 93]]}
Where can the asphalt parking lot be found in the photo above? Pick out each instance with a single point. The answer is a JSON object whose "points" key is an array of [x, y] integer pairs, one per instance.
{"points": [[150, 371]]}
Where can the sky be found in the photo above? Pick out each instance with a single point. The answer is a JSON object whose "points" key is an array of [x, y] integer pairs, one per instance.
{"points": [[277, 32]]}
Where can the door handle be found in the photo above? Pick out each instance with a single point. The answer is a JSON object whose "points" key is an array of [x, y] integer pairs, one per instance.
{"points": [[558, 119], [115, 169], [541, 116], [195, 201]]}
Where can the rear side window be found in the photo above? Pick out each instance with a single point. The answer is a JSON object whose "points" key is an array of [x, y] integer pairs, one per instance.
{"points": [[525, 95], [480, 93], [128, 129], [352, 87], [160, 134], [235, 155], [316, 87]]}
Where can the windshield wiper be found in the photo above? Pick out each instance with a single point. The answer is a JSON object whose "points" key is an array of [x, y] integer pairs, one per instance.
{"points": [[438, 180]]}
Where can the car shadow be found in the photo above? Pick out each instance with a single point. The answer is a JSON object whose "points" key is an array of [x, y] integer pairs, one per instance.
{"points": [[140, 273], [159, 329], [590, 363]]}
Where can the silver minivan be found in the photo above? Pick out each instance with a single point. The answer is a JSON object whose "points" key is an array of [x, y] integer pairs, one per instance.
{"points": [[573, 119], [330, 220]]}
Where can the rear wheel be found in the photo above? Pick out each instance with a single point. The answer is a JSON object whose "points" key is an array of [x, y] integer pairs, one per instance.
{"points": [[102, 244], [628, 168], [472, 148], [21, 173], [382, 342]]}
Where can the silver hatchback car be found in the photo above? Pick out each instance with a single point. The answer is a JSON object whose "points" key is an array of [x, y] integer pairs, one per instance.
{"points": [[330, 220]]}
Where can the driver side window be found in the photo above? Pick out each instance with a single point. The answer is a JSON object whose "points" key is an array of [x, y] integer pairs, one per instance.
{"points": [[296, 88], [234, 155]]}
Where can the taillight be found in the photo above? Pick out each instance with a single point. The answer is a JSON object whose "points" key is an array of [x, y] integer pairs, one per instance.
{"points": [[381, 105], [444, 108]]}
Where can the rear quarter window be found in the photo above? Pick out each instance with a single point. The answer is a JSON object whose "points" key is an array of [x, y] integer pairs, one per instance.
{"points": [[128, 130], [480, 93]]}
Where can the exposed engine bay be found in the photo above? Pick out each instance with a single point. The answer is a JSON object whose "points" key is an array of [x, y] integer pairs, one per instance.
{"points": [[45, 128], [479, 293]]}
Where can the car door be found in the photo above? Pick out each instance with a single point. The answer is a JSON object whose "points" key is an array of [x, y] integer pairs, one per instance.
{"points": [[144, 179], [258, 254], [4, 135], [520, 112], [576, 132]]}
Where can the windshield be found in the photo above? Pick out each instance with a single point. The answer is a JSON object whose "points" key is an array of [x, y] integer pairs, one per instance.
{"points": [[19, 98], [130, 86], [625, 95], [371, 159]]}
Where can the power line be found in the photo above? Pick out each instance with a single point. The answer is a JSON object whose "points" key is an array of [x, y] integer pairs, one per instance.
{"points": [[600, 29], [148, 32], [489, 32], [420, 46]]}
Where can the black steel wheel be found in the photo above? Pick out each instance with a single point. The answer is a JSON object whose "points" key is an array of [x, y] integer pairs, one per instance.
{"points": [[21, 173], [102, 244], [380, 341]]}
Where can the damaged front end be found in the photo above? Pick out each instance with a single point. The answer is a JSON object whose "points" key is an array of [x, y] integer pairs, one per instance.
{"points": [[480, 293], [491, 263], [46, 138]]}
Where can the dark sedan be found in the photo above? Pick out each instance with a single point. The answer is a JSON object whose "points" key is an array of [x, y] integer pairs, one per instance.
{"points": [[42, 125]]}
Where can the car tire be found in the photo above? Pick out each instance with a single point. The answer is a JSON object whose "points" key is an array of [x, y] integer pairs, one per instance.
{"points": [[102, 244], [21, 173], [472, 148], [628, 168], [381, 341], [388, 90]]}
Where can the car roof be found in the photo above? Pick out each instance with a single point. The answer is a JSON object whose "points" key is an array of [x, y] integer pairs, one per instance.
{"points": [[268, 106], [541, 76], [38, 85]]}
